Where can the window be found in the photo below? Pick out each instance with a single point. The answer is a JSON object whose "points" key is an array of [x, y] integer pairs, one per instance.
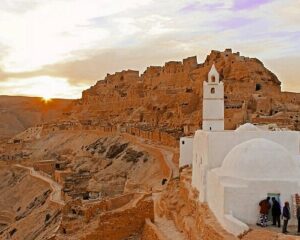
{"points": [[257, 87], [213, 78], [212, 90]]}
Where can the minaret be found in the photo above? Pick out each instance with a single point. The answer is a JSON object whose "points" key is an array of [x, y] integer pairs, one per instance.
{"points": [[213, 102]]}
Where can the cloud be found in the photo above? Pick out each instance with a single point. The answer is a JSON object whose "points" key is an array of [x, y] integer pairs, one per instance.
{"points": [[235, 22], [42, 86], [49, 32], [246, 4], [198, 6], [81, 42], [19, 6], [94, 64]]}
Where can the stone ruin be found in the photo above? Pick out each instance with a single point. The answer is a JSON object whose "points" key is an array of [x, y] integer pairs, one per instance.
{"points": [[169, 97]]}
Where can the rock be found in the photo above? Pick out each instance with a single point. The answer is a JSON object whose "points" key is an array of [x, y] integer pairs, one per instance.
{"points": [[116, 149], [132, 155]]}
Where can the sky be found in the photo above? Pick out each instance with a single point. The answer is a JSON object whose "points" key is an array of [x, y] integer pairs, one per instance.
{"points": [[57, 48]]}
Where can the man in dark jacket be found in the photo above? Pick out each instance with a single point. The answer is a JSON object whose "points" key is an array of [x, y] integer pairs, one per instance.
{"points": [[286, 215], [298, 218], [264, 210], [276, 212]]}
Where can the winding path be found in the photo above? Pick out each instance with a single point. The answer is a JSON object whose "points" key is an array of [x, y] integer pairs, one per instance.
{"points": [[165, 226], [151, 146], [55, 195]]}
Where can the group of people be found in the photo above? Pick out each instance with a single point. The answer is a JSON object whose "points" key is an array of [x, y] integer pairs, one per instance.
{"points": [[265, 207]]}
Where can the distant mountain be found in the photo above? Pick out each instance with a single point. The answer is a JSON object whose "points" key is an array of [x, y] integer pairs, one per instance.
{"points": [[19, 113]]}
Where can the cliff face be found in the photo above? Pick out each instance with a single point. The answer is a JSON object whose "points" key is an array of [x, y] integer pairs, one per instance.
{"points": [[170, 97]]}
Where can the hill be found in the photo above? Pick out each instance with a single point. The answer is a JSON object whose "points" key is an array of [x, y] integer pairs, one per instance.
{"points": [[168, 98], [20, 113]]}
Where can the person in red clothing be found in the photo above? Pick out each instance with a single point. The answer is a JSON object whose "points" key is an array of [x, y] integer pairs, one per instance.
{"points": [[264, 211]]}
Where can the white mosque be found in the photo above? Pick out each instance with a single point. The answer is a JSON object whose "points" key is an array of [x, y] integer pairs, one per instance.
{"points": [[234, 170]]}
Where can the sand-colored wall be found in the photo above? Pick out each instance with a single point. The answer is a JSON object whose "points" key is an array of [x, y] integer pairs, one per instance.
{"points": [[180, 204], [92, 209], [45, 166], [119, 224]]}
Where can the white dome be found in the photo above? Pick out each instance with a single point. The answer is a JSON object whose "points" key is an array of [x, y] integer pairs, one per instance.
{"points": [[260, 159], [247, 127]]}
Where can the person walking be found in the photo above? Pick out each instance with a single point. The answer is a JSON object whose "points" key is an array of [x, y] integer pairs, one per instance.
{"points": [[276, 212], [298, 218], [264, 211], [286, 215]]}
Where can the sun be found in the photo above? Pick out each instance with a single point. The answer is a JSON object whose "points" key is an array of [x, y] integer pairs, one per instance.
{"points": [[46, 99]]}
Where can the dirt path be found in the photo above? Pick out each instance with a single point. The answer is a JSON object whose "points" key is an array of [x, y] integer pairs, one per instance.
{"points": [[167, 153], [56, 188], [166, 227]]}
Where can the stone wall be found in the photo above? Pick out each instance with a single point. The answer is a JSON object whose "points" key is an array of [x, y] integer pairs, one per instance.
{"points": [[122, 223], [108, 219], [155, 135], [180, 204], [46, 166], [93, 208]]}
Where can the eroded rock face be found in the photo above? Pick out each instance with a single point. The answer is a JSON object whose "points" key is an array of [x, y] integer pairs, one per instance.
{"points": [[170, 97], [25, 212]]}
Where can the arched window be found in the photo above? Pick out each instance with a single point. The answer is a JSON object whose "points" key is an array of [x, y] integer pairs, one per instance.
{"points": [[212, 90], [213, 78]]}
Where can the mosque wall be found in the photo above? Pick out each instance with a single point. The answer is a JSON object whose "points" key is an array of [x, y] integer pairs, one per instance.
{"points": [[210, 149], [200, 163], [186, 151], [215, 195], [223, 142], [240, 198], [246, 208], [213, 125]]}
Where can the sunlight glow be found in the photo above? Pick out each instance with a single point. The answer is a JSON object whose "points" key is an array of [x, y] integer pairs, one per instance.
{"points": [[45, 34], [44, 86], [46, 99]]}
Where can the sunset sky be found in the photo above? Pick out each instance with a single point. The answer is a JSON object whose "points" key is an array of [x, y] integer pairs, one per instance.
{"points": [[58, 48]]}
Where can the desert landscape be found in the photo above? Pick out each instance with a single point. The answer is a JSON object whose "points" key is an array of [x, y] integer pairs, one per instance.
{"points": [[149, 120], [107, 166]]}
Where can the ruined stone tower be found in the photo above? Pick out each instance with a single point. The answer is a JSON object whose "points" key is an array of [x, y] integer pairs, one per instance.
{"points": [[213, 102]]}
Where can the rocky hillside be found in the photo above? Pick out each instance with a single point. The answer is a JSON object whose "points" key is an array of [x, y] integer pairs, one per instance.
{"points": [[164, 98], [20, 113], [169, 98], [25, 212]]}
